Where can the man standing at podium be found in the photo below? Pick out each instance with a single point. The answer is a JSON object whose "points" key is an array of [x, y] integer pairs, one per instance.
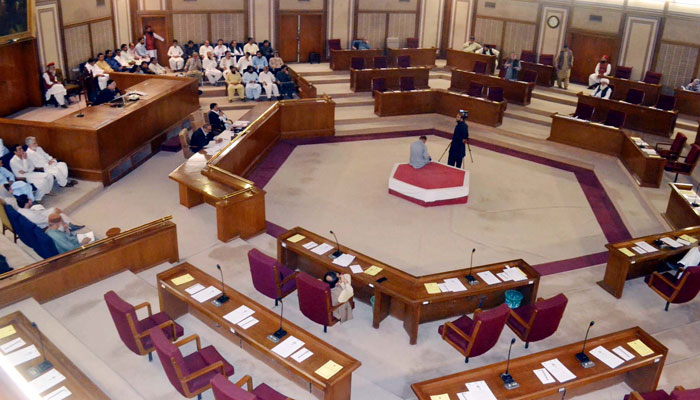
{"points": [[459, 139]]}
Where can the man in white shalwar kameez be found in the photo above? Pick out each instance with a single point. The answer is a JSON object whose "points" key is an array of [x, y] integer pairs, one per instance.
{"points": [[97, 73], [602, 69], [53, 86], [267, 80], [41, 159], [175, 53], [23, 168], [210, 68]]}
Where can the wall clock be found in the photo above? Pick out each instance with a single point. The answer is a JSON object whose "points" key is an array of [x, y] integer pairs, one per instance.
{"points": [[553, 22]]}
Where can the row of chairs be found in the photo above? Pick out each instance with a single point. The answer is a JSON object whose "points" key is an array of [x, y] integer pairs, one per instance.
{"points": [[380, 62], [24, 229], [678, 393], [334, 44], [406, 83]]}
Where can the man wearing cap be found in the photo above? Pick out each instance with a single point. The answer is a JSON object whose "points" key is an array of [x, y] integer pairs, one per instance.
{"points": [[601, 70], [41, 159], [53, 86], [471, 46], [564, 62], [22, 167], [603, 90], [57, 231]]}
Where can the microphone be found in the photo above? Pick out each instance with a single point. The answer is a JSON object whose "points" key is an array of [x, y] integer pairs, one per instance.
{"points": [[507, 379], [223, 298], [582, 357], [44, 365], [280, 333], [336, 253], [470, 278]]}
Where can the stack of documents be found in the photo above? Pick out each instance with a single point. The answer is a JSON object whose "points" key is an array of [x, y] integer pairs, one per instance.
{"points": [[194, 288], [641, 348], [608, 358], [6, 331], [296, 238], [646, 247], [23, 355], [329, 369], [544, 376], [344, 260], [302, 355], [477, 391], [12, 345], [626, 252], [310, 245], [47, 380], [558, 370], [488, 277], [432, 288], [356, 269], [373, 270], [58, 394], [239, 314], [182, 279], [512, 274], [206, 294], [322, 249], [671, 242], [623, 353], [688, 239], [454, 285], [287, 347]]}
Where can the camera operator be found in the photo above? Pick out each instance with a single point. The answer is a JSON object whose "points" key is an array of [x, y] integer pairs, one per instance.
{"points": [[459, 139]]}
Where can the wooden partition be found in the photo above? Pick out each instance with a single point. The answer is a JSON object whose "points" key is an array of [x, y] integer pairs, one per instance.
{"points": [[622, 86], [517, 92], [306, 89], [361, 79], [19, 77], [135, 250], [419, 57], [341, 59], [464, 60], [687, 102]]}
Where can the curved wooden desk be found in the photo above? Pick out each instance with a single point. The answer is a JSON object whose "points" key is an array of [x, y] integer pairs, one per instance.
{"points": [[517, 92], [361, 79], [465, 61], [422, 57]]}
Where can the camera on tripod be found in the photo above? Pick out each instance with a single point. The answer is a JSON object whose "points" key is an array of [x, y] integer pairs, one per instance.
{"points": [[464, 114]]}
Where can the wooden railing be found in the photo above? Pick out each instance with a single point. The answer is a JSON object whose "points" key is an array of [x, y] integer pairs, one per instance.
{"points": [[306, 89]]}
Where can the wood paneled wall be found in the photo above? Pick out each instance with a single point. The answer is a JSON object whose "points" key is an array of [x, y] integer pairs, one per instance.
{"points": [[19, 76]]}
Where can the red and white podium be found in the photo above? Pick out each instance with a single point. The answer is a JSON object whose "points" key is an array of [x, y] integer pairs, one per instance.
{"points": [[433, 185]]}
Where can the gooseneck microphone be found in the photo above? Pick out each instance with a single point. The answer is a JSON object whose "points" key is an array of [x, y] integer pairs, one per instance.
{"points": [[44, 365], [280, 333], [223, 298], [582, 357], [337, 253], [470, 278], [507, 379]]}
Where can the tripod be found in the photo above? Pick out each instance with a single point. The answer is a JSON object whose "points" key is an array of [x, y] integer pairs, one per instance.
{"points": [[448, 147]]}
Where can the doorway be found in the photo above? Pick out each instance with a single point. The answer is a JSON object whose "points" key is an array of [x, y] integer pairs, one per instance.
{"points": [[160, 26], [299, 35], [588, 49]]}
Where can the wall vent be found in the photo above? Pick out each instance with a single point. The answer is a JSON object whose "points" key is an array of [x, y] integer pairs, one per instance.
{"points": [[595, 18], [490, 4]]}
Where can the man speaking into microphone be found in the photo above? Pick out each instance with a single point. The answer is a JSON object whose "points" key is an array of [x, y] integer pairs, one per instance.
{"points": [[459, 139]]}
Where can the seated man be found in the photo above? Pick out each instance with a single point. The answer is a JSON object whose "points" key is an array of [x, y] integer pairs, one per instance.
{"points": [[217, 126], [252, 87], [141, 50], [285, 82], [268, 83], [5, 175], [266, 49], [236, 50], [103, 64], [602, 69], [57, 232], [210, 68], [97, 73], [233, 80], [471, 46], [39, 215], [54, 87], [360, 44], [122, 55], [250, 47], [135, 54], [419, 153], [341, 292], [489, 51], [109, 93], [201, 137], [226, 63], [193, 67], [693, 86], [604, 91], [259, 62], [145, 68], [205, 48], [244, 62], [276, 63], [156, 68], [113, 62], [220, 49], [22, 167], [41, 159], [190, 49]]}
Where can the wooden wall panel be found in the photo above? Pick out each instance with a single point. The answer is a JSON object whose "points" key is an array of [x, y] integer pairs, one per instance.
{"points": [[372, 26], [402, 25], [190, 27], [518, 36], [19, 77], [228, 26], [102, 36], [77, 46], [677, 63], [488, 31]]}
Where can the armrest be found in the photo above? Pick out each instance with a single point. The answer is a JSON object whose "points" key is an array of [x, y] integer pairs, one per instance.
{"points": [[450, 325], [142, 305], [246, 380], [189, 339], [517, 318], [161, 326], [290, 277], [203, 371], [636, 396], [662, 278], [681, 388]]}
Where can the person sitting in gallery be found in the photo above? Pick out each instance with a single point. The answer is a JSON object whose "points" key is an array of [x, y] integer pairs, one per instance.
{"points": [[53, 86], [110, 92], [226, 63], [205, 48], [220, 49], [360, 44], [693, 86], [156, 68], [210, 68], [471, 46], [135, 54], [512, 66], [603, 91], [252, 87], [285, 82], [103, 64], [125, 59], [275, 63], [113, 62], [234, 86], [39, 215], [63, 238], [250, 47], [175, 59], [145, 68], [217, 125], [236, 50], [6, 177], [190, 48], [201, 137], [602, 69], [268, 82], [141, 51], [419, 156], [489, 51], [244, 62], [193, 67], [341, 292], [259, 62], [41, 159], [266, 49], [97, 73], [22, 167]]}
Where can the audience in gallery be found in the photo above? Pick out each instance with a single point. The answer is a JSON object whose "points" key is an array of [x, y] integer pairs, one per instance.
{"points": [[236, 49], [360, 44], [693, 86], [603, 90], [133, 54], [39, 216], [149, 39], [145, 68], [602, 69], [63, 238], [190, 49], [269, 83], [266, 49], [220, 49], [275, 63], [156, 68], [259, 62], [227, 62], [205, 48], [252, 87], [97, 73], [125, 58], [53, 87], [141, 50], [211, 69], [23, 168], [113, 62], [285, 82], [193, 67], [175, 59], [234, 86], [201, 137], [250, 47], [244, 62], [41, 159], [103, 64], [471, 46]]}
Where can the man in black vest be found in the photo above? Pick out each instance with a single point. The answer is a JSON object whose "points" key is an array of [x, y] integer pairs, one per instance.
{"points": [[459, 139]]}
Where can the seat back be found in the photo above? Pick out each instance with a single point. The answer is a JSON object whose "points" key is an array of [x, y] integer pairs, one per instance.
{"points": [[528, 56], [692, 157], [623, 72], [333, 44], [167, 353], [615, 118], [634, 96], [380, 62], [479, 67], [403, 61], [678, 143], [547, 318], [406, 83], [492, 323], [264, 271], [378, 84], [652, 77], [357, 63], [584, 111], [685, 394], [528, 75], [412, 43], [502, 72], [495, 93], [666, 102], [314, 299], [30, 234], [475, 89], [4, 218], [185, 142], [547, 59], [224, 389], [690, 286], [119, 309]]}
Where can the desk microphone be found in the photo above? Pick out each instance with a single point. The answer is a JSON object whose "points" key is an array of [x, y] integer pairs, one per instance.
{"points": [[507, 379], [582, 357], [336, 253], [223, 298], [44, 365], [280, 333], [470, 278]]}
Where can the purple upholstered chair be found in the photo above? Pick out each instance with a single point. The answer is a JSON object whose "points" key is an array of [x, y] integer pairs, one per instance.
{"points": [[315, 300], [502, 72], [412, 43], [135, 333], [475, 89], [224, 389], [679, 393], [687, 166], [615, 118], [528, 75], [479, 67], [406, 83], [674, 148], [666, 102], [623, 72], [676, 290], [380, 62], [495, 93], [534, 322], [379, 85], [403, 61], [271, 278], [333, 44], [475, 337], [652, 77], [584, 111], [357, 63], [528, 56], [547, 59], [191, 374], [634, 96]]}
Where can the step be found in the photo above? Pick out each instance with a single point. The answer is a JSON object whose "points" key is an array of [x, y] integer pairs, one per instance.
{"points": [[322, 79], [555, 97], [524, 115]]}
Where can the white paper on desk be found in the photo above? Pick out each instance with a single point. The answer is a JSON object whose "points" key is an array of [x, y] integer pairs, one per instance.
{"points": [[682, 241], [206, 294], [48, 380], [504, 276], [515, 273], [356, 269], [194, 288], [671, 242], [558, 370], [646, 247], [649, 151], [89, 235], [23, 355], [288, 346], [608, 358], [322, 249], [544, 376], [239, 314], [248, 322], [488, 277], [443, 288], [623, 353], [479, 390], [455, 285], [302, 355], [58, 394], [12, 345], [639, 250], [310, 245], [344, 260]]}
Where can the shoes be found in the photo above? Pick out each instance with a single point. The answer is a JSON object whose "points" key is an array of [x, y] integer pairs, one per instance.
{"points": [[74, 227], [64, 106], [71, 183]]}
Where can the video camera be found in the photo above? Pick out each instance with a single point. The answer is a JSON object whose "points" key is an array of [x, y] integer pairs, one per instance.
{"points": [[464, 114]]}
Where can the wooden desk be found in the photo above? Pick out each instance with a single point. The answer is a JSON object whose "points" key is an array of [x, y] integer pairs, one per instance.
{"points": [[647, 170], [465, 61], [622, 268], [687, 102], [546, 74], [361, 79], [622, 86], [419, 57], [641, 373], [341, 59], [80, 386], [439, 101], [176, 302], [640, 118], [679, 212], [517, 92], [403, 295]]}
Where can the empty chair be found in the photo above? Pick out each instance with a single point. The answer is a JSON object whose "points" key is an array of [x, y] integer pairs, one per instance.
{"points": [[676, 289], [652, 77], [674, 148], [623, 72], [406, 83], [528, 75], [528, 56], [271, 278], [224, 389], [135, 333], [584, 111], [534, 322], [684, 168], [412, 43], [679, 393], [185, 142], [380, 62], [315, 300], [333, 44], [479, 67], [190, 375], [634, 96], [357, 63], [547, 59], [615, 118], [495, 93], [475, 89], [666, 102], [378, 84], [6, 225], [403, 61], [474, 337]]}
